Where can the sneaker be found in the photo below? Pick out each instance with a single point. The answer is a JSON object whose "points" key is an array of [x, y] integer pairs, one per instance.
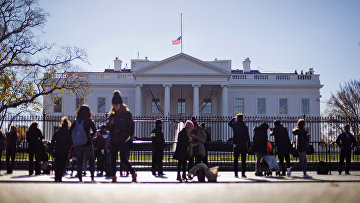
{"points": [[113, 179], [289, 172], [243, 176], [307, 176], [347, 173], [134, 176], [161, 174], [154, 173], [258, 174]]}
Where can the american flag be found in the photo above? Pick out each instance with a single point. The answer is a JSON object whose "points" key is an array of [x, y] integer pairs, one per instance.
{"points": [[177, 41]]}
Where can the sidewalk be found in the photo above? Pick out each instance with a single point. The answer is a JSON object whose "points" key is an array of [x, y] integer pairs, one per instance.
{"points": [[21, 176]]}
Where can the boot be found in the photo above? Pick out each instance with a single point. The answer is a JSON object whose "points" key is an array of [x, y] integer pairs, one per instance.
{"points": [[134, 176]]}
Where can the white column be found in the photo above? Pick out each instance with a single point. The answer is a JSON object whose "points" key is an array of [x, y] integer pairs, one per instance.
{"points": [[196, 101], [224, 101], [138, 100], [167, 100]]}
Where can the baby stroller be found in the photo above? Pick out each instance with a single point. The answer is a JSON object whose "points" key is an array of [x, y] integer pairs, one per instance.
{"points": [[269, 163]]}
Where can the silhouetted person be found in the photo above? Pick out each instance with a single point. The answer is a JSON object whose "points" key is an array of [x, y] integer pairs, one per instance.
{"points": [[259, 145], [34, 137], [158, 144], [346, 141], [11, 138]]}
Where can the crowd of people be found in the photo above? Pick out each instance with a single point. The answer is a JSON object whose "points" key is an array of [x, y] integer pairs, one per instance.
{"points": [[82, 143]]}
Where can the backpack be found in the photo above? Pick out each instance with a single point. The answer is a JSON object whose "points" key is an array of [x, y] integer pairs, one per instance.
{"points": [[79, 136], [322, 168]]}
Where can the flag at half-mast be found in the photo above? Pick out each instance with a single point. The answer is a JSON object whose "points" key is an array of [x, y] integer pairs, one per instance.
{"points": [[177, 41]]}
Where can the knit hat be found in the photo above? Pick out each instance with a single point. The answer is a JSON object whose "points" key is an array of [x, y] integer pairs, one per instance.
{"points": [[158, 122], [117, 98], [189, 124]]}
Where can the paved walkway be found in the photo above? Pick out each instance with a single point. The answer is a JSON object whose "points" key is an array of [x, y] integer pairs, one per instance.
{"points": [[170, 177]]}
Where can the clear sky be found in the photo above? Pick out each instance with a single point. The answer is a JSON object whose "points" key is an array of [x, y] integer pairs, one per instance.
{"points": [[277, 36]]}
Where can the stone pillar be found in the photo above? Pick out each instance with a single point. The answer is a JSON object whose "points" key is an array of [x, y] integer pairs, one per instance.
{"points": [[224, 101], [167, 100], [196, 100], [138, 101]]}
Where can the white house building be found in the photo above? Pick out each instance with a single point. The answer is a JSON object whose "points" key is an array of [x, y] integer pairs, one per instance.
{"points": [[184, 85]]}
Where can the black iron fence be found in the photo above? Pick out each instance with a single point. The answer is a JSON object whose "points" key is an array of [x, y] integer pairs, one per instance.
{"points": [[323, 132]]}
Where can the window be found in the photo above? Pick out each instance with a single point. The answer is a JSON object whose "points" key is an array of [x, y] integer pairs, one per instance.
{"points": [[181, 106], [305, 106], [261, 106], [207, 106], [239, 105], [101, 104], [154, 105], [79, 101], [283, 106], [57, 104]]}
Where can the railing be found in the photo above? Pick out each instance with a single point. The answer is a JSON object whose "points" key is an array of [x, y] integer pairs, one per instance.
{"points": [[323, 132]]}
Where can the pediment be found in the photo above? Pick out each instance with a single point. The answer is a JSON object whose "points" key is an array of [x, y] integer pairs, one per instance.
{"points": [[182, 64]]}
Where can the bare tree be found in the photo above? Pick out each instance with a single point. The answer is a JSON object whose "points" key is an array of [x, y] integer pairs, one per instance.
{"points": [[345, 105], [30, 68]]}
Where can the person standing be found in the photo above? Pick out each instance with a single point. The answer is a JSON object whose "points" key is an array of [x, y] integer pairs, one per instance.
{"points": [[198, 139], [2, 145], [283, 145], [99, 150], [11, 138], [158, 144], [34, 137], [241, 141], [84, 118], [181, 152], [121, 126], [62, 142], [302, 142], [260, 145], [346, 141], [206, 144]]}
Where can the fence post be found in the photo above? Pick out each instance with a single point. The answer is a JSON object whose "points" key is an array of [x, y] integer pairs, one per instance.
{"points": [[44, 119]]}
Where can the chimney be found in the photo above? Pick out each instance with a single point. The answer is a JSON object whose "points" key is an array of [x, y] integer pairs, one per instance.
{"points": [[246, 65], [117, 64]]}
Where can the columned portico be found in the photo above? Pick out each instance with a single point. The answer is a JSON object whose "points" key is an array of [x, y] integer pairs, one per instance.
{"points": [[167, 100], [224, 100], [196, 100], [138, 100]]}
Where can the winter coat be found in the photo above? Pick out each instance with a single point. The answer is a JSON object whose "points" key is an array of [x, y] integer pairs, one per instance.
{"points": [[260, 140], [282, 140], [2, 141], [62, 141], [88, 124], [34, 137], [121, 126], [99, 143], [157, 137], [182, 145], [198, 148], [11, 138], [346, 143], [302, 139], [241, 134]]}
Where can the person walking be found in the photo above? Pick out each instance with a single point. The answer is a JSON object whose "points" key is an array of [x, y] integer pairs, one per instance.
{"points": [[260, 145], [346, 141], [181, 151], [283, 145], [158, 144], [241, 141], [34, 137], [11, 138], [121, 127], [84, 119], [62, 142], [302, 142], [99, 150], [2, 145]]}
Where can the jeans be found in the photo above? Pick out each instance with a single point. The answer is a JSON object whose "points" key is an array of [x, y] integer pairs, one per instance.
{"points": [[258, 159], [157, 158], [124, 151], [237, 152], [10, 154], [281, 157], [344, 155], [302, 162], [182, 166], [60, 162], [80, 152], [101, 161], [37, 154]]}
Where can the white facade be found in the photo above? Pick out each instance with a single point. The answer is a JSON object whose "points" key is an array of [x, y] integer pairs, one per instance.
{"points": [[183, 81]]}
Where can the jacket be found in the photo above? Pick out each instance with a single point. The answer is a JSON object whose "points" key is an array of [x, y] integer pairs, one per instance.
{"points": [[260, 140], [302, 139], [157, 138], [282, 140], [181, 147], [99, 142], [241, 135], [34, 137], [62, 141], [121, 126], [11, 138], [88, 125], [346, 143], [198, 148]]}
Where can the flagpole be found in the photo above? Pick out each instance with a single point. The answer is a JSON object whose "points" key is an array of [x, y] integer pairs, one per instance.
{"points": [[182, 39]]}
